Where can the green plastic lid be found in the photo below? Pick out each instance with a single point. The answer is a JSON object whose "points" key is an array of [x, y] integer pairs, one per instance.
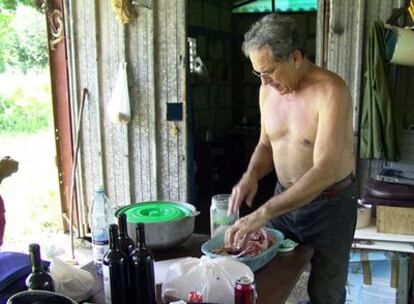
{"points": [[155, 212]]}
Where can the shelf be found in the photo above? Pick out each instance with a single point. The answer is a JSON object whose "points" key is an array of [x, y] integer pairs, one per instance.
{"points": [[381, 245], [370, 233]]}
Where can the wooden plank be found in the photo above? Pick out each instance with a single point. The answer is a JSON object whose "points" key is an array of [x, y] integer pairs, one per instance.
{"points": [[86, 39], [115, 136], [395, 220], [171, 142], [143, 135]]}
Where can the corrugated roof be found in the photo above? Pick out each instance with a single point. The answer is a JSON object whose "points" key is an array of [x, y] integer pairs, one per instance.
{"points": [[265, 6]]}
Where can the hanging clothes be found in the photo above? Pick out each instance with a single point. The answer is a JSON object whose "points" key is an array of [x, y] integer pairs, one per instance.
{"points": [[381, 120]]}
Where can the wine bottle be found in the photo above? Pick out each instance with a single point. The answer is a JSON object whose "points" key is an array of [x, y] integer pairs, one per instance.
{"points": [[126, 244], [115, 271], [142, 271], [39, 279]]}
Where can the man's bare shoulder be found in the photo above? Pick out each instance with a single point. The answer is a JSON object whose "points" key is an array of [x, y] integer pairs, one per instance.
{"points": [[264, 92], [330, 87]]}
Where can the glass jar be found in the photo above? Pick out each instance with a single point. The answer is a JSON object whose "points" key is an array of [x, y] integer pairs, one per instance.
{"points": [[219, 219]]}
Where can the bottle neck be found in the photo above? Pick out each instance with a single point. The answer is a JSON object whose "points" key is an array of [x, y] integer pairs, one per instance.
{"points": [[122, 224], [113, 237], [34, 256], [141, 236]]}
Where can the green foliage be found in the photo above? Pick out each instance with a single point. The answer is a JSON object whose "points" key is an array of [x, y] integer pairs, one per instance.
{"points": [[11, 5], [25, 105], [23, 37]]}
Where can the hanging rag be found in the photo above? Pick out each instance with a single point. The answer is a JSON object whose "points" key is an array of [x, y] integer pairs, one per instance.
{"points": [[119, 110], [124, 10], [381, 121]]}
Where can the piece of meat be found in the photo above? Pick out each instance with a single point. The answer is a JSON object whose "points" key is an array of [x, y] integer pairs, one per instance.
{"points": [[251, 245]]}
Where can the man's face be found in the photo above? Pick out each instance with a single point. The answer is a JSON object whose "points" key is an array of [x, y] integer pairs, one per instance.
{"points": [[278, 74]]}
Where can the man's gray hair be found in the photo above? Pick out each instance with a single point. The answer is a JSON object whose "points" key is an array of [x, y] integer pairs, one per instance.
{"points": [[280, 33]]}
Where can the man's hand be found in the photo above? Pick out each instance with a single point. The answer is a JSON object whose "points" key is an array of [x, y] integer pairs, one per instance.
{"points": [[7, 167], [236, 234], [245, 190]]}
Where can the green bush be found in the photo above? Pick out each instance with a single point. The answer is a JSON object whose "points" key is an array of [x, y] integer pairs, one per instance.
{"points": [[25, 105], [23, 38]]}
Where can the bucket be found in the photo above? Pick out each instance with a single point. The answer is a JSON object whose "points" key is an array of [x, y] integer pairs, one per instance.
{"points": [[399, 46]]}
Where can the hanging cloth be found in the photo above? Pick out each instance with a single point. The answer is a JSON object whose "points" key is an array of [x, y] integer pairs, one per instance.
{"points": [[123, 10], [381, 122]]}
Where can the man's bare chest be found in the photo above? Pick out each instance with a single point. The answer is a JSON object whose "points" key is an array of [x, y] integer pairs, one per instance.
{"points": [[292, 120]]}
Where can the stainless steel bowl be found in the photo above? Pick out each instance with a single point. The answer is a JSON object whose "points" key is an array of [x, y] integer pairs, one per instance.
{"points": [[39, 296], [163, 235]]}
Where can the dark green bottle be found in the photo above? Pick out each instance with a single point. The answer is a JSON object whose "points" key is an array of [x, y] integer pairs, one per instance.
{"points": [[39, 279], [126, 244], [142, 271], [115, 271]]}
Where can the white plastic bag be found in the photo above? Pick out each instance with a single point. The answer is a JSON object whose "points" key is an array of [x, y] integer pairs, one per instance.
{"points": [[77, 284], [119, 110], [214, 278]]}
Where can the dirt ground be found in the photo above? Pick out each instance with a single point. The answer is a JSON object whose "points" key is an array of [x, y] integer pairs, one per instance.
{"points": [[31, 195]]}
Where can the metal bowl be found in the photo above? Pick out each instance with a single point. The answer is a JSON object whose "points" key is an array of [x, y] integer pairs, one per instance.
{"points": [[168, 231], [39, 296]]}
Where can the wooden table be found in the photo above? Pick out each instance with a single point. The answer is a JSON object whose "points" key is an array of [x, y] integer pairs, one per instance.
{"points": [[274, 282]]}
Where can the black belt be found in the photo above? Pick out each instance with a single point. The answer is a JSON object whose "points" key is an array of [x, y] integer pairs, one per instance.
{"points": [[334, 189]]}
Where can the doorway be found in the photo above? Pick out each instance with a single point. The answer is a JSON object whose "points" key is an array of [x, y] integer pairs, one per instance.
{"points": [[223, 94], [31, 195]]}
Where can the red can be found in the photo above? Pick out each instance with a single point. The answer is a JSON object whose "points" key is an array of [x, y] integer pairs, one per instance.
{"points": [[195, 297], [245, 291]]}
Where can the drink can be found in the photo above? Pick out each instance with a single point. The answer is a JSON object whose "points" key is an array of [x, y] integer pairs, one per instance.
{"points": [[195, 297], [245, 291]]}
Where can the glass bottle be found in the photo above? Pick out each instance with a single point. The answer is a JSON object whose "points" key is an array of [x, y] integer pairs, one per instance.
{"points": [[39, 279], [142, 271], [219, 219], [126, 244], [100, 217], [115, 271]]}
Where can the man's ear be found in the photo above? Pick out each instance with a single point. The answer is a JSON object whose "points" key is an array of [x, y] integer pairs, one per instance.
{"points": [[297, 58]]}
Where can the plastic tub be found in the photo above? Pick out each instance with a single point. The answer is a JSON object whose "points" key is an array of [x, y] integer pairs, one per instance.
{"points": [[255, 263]]}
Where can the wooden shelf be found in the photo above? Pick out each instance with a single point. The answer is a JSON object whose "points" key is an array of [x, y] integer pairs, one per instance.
{"points": [[369, 238], [370, 233]]}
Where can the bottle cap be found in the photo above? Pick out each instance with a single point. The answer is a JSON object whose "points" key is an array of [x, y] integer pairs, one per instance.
{"points": [[100, 188]]}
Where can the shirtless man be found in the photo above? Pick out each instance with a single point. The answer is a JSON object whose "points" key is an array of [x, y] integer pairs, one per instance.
{"points": [[306, 135]]}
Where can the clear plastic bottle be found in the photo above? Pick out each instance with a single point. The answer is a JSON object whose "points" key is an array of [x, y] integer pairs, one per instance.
{"points": [[219, 219], [100, 217]]}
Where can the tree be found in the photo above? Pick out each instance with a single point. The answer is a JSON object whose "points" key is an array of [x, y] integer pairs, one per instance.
{"points": [[11, 5], [22, 35]]}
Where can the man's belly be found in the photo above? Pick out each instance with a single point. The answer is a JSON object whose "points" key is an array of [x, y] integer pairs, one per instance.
{"points": [[291, 162]]}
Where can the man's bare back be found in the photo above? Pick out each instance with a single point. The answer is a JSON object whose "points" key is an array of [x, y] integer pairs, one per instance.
{"points": [[290, 124]]}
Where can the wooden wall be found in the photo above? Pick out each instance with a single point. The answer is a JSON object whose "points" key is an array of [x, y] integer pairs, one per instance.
{"points": [[146, 159], [343, 43]]}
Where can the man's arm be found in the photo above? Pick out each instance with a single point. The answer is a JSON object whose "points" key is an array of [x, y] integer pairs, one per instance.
{"points": [[331, 138], [260, 164]]}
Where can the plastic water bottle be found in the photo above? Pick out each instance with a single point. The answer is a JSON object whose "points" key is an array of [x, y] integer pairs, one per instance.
{"points": [[100, 217]]}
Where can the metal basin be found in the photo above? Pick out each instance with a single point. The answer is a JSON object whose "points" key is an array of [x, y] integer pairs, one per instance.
{"points": [[167, 224], [39, 296]]}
